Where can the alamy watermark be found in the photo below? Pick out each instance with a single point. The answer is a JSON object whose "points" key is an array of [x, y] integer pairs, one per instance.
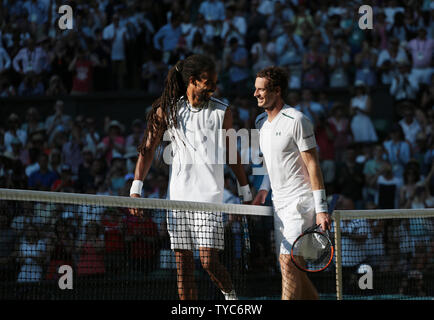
{"points": [[66, 21], [66, 280], [365, 281], [215, 147], [365, 21]]}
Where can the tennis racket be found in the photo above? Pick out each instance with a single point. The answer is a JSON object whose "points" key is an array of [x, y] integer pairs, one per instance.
{"points": [[313, 250]]}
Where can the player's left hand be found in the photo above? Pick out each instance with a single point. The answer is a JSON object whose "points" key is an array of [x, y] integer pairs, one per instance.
{"points": [[324, 220]]}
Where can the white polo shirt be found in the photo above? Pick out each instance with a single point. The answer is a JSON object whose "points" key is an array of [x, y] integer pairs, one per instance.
{"points": [[281, 142]]}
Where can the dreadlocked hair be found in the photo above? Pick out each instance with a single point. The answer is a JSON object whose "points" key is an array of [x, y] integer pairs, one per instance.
{"points": [[164, 110]]}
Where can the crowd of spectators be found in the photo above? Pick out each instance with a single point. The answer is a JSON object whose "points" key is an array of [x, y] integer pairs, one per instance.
{"points": [[118, 45]]}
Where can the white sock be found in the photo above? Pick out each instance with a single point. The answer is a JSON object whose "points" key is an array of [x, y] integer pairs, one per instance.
{"points": [[230, 295]]}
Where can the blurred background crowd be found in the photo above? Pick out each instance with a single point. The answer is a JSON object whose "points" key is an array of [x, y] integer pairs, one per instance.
{"points": [[128, 46]]}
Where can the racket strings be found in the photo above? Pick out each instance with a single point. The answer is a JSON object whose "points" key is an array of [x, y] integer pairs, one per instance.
{"points": [[314, 250]]}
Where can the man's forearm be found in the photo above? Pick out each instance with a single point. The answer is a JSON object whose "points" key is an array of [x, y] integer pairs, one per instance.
{"points": [[238, 169], [143, 165], [316, 178]]}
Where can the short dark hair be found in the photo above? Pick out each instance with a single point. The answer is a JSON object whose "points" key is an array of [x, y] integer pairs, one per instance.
{"points": [[277, 77]]}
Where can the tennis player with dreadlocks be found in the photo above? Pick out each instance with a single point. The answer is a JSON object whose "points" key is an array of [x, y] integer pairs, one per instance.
{"points": [[288, 144], [187, 115]]}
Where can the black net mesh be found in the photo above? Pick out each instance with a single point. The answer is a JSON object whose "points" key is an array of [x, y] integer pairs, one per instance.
{"points": [[388, 258], [115, 255], [112, 254]]}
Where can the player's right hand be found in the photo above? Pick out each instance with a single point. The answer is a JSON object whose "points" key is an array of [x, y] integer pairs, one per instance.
{"points": [[260, 198], [134, 211]]}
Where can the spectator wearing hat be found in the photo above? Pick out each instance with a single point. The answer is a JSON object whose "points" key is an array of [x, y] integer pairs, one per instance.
{"points": [[114, 141], [361, 124], [43, 178], [14, 132]]}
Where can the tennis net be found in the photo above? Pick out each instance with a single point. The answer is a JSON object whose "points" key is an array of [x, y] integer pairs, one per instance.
{"points": [[384, 254], [112, 254]]}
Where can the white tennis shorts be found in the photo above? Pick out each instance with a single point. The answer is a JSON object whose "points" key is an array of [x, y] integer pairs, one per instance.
{"points": [[291, 218], [190, 230]]}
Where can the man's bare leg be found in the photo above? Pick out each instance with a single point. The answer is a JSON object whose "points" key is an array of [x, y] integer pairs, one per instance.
{"points": [[209, 258], [185, 275], [295, 283]]}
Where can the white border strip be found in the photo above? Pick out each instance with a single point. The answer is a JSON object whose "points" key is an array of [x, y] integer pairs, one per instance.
{"points": [[383, 214], [127, 202]]}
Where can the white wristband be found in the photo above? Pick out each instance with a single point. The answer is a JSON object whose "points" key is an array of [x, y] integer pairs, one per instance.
{"points": [[136, 187], [320, 199], [245, 193]]}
